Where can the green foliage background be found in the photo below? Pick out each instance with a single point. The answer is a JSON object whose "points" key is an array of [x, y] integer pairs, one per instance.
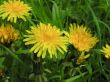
{"points": [[17, 62]]}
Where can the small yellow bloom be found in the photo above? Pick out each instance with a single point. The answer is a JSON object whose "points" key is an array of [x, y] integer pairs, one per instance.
{"points": [[14, 9], [81, 38], [106, 51], [46, 39], [8, 34], [82, 58]]}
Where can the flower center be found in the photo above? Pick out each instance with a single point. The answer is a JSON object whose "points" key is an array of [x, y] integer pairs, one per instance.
{"points": [[15, 8], [2, 31], [47, 37]]}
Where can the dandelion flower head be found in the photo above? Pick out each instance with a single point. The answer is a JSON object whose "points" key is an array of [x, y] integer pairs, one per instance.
{"points": [[46, 39], [13, 9], [106, 51], [81, 38], [8, 34]]}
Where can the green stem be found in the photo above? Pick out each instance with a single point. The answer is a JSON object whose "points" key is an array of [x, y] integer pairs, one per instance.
{"points": [[37, 65]]}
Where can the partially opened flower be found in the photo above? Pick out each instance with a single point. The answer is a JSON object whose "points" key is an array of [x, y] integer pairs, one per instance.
{"points": [[46, 39], [13, 9], [106, 51], [8, 34], [81, 38], [82, 58]]}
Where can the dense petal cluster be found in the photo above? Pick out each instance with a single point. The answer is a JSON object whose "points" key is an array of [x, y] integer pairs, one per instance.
{"points": [[106, 51], [8, 34], [13, 9], [81, 38], [46, 39]]}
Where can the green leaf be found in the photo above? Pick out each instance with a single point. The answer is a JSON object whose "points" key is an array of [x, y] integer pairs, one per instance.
{"points": [[12, 54], [1, 61], [72, 79]]}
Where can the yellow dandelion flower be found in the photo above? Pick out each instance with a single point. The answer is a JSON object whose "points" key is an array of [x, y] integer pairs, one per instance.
{"points": [[82, 58], [81, 38], [13, 9], [46, 39], [8, 34], [106, 51]]}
